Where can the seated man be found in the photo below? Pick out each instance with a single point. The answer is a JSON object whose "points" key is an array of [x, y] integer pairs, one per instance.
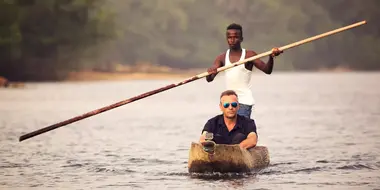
{"points": [[229, 127]]}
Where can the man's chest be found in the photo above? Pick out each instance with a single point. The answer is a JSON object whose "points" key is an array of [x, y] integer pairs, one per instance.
{"points": [[248, 66], [234, 58], [223, 131]]}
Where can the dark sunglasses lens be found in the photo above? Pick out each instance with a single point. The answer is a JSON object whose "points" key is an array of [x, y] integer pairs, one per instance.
{"points": [[233, 104]]}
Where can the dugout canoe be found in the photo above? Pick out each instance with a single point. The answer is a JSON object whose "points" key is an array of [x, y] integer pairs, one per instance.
{"points": [[226, 159]]}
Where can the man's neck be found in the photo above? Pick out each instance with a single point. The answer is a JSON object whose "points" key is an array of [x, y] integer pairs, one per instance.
{"points": [[236, 50], [230, 122]]}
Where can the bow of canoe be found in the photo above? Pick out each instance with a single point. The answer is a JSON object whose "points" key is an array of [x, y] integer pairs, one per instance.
{"points": [[227, 158]]}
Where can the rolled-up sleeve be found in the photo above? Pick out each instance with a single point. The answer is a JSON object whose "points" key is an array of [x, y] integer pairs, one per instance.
{"points": [[208, 127], [251, 127]]}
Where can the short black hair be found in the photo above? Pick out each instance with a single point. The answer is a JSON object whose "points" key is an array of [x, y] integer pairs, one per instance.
{"points": [[228, 93], [235, 26]]}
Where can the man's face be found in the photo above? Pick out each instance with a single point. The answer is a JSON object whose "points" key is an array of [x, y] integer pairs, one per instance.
{"points": [[234, 38], [229, 105]]}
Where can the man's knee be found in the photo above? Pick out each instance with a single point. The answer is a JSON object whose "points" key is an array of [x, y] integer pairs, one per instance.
{"points": [[238, 138]]}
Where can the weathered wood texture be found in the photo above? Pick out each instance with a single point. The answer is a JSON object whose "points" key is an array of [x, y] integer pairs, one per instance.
{"points": [[227, 158]]}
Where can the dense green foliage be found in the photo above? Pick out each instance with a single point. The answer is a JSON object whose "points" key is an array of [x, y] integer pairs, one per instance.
{"points": [[45, 39]]}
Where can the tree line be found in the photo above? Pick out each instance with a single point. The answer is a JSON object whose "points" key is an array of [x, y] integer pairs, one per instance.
{"points": [[46, 39]]}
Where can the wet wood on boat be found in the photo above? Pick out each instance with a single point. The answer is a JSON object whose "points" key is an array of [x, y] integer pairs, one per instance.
{"points": [[226, 158]]}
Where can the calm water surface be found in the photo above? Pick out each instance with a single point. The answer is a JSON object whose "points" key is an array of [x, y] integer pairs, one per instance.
{"points": [[322, 131]]}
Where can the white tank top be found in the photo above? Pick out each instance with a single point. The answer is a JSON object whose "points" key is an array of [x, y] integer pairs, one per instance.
{"points": [[239, 79]]}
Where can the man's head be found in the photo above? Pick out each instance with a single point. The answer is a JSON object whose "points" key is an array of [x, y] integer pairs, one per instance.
{"points": [[229, 103], [234, 35]]}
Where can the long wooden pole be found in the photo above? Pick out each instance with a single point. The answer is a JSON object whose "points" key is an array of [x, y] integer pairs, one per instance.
{"points": [[196, 77]]}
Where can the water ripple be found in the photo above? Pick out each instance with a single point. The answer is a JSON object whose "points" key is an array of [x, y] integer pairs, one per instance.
{"points": [[152, 161], [355, 167], [333, 141]]}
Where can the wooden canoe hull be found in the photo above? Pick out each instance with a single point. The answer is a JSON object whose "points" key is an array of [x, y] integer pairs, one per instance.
{"points": [[227, 158]]}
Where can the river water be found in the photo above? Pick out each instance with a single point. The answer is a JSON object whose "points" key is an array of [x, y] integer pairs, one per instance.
{"points": [[322, 131]]}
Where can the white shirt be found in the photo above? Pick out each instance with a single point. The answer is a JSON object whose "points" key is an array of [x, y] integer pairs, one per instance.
{"points": [[239, 79]]}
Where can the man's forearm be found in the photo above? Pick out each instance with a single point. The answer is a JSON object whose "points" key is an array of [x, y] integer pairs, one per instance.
{"points": [[269, 65], [248, 143]]}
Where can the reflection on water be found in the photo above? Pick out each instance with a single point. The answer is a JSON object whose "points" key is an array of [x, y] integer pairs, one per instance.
{"points": [[321, 131]]}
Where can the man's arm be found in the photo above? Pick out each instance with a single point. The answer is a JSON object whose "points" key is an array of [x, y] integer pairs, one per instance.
{"points": [[206, 128], [265, 67], [258, 63], [217, 63], [250, 141]]}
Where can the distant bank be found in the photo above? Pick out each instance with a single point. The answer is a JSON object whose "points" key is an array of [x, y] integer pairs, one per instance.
{"points": [[132, 72], [139, 71], [96, 75], [5, 83], [103, 76], [149, 72]]}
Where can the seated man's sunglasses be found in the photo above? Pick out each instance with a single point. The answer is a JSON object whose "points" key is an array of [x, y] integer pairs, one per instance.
{"points": [[227, 104]]}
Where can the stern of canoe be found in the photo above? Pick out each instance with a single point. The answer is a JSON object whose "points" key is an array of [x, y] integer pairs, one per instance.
{"points": [[226, 158]]}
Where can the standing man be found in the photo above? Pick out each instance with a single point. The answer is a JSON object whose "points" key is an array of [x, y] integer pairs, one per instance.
{"points": [[239, 78]]}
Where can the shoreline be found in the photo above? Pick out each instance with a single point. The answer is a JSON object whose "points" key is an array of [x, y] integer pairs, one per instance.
{"points": [[104, 76], [87, 76], [152, 72], [95, 76]]}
